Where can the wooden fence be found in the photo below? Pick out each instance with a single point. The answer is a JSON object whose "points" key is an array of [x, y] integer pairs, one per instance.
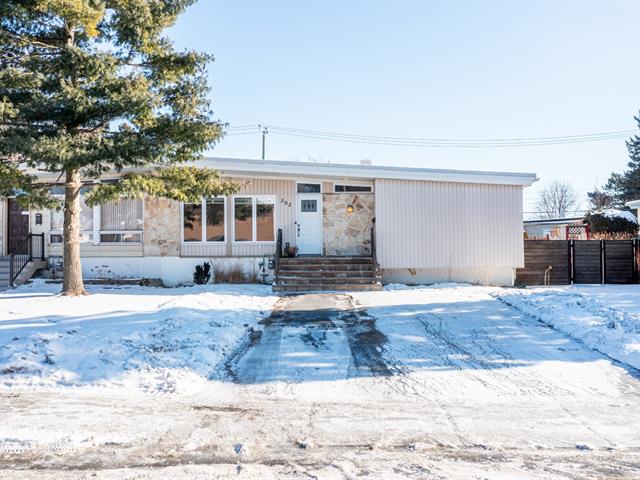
{"points": [[563, 262]]}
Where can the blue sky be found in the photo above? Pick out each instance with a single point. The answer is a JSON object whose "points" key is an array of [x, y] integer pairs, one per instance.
{"points": [[425, 69]]}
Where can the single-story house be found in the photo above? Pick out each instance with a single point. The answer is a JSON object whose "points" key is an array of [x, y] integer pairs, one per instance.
{"points": [[426, 225], [552, 228]]}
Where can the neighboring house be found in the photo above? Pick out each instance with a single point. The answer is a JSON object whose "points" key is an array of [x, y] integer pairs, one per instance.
{"points": [[551, 229], [430, 225], [634, 205]]}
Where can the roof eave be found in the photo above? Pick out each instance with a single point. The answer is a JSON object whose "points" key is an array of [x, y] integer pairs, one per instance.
{"points": [[370, 172]]}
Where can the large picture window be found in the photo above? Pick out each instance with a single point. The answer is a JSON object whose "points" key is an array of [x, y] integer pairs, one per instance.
{"points": [[265, 219], [215, 220], [192, 222], [254, 219], [243, 219], [204, 221]]}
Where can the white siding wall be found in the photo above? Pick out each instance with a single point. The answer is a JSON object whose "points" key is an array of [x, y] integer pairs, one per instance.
{"points": [[103, 250], [424, 224]]}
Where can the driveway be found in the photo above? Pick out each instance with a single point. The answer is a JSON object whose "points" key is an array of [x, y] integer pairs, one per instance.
{"points": [[314, 337], [432, 383]]}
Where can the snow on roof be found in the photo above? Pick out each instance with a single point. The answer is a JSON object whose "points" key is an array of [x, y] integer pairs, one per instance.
{"points": [[633, 204], [613, 213]]}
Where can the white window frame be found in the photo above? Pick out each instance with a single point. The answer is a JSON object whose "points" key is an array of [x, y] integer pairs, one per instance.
{"points": [[203, 233], [350, 184], [121, 232], [314, 182], [254, 217], [97, 224]]}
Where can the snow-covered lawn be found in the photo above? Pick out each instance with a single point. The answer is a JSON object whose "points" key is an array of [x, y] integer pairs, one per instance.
{"points": [[154, 339], [449, 381], [604, 318]]}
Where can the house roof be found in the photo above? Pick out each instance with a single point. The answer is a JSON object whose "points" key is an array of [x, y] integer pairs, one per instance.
{"points": [[281, 168], [365, 172]]}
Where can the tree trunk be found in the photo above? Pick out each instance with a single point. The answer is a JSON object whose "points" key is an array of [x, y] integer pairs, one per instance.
{"points": [[72, 283]]}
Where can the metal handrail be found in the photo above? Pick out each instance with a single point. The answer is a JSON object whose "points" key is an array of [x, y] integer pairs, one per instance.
{"points": [[278, 254], [17, 261], [374, 255]]}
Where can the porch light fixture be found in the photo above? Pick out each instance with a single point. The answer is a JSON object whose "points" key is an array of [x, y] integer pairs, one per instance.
{"points": [[349, 208]]}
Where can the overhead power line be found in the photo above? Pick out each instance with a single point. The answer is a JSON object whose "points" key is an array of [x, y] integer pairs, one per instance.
{"points": [[433, 142]]}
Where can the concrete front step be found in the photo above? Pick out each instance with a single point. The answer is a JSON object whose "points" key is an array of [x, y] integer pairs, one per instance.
{"points": [[4, 272], [360, 267], [325, 273], [326, 288], [326, 261], [323, 280]]}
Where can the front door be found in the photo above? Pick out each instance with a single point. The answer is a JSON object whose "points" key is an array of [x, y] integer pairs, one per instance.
{"points": [[309, 224], [18, 228]]}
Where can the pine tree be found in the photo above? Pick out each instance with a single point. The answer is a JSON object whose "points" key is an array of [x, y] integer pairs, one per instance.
{"points": [[599, 200], [89, 86], [626, 186]]}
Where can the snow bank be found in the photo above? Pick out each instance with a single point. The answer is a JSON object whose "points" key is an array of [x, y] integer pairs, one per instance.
{"points": [[154, 339], [612, 331]]}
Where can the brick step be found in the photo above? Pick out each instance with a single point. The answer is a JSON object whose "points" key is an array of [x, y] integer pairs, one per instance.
{"points": [[324, 280], [292, 288]]}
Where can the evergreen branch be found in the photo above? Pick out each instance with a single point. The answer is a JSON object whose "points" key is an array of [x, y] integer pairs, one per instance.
{"points": [[182, 184], [29, 40]]}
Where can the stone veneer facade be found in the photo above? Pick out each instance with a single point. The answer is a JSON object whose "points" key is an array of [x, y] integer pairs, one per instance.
{"points": [[161, 227], [347, 233]]}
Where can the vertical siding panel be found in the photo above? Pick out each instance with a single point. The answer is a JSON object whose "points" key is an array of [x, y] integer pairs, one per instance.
{"points": [[494, 233], [416, 213], [437, 232], [426, 227], [423, 224], [396, 201], [470, 227], [486, 239]]}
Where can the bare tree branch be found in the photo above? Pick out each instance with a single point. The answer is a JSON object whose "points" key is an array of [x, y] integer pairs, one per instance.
{"points": [[557, 200]]}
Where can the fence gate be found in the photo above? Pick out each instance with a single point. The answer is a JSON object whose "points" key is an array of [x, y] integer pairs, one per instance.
{"points": [[587, 261], [619, 261], [562, 262]]}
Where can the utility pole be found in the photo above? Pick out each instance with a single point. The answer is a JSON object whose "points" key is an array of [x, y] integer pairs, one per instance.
{"points": [[265, 130]]}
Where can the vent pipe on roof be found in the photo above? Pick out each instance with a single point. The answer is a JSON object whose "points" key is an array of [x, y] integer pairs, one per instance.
{"points": [[365, 161]]}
